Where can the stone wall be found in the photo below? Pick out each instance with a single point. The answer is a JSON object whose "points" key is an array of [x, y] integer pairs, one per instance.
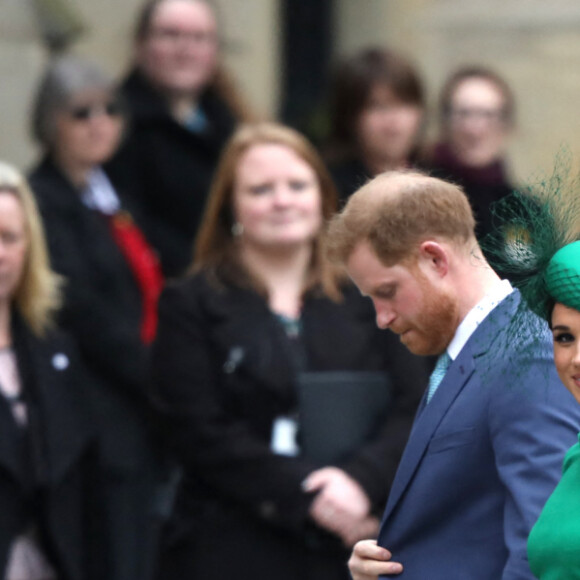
{"points": [[251, 48], [534, 43]]}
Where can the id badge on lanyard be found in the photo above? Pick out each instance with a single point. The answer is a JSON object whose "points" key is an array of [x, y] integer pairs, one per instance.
{"points": [[284, 436]]}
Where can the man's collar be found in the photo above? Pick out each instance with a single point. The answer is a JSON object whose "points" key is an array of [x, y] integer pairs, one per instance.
{"points": [[477, 315]]}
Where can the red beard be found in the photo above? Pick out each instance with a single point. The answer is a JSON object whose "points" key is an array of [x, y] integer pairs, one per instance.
{"points": [[435, 324]]}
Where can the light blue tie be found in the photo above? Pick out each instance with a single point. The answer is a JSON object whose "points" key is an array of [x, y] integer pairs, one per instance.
{"points": [[438, 373]]}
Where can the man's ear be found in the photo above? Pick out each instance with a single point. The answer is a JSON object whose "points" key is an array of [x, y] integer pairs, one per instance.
{"points": [[435, 257]]}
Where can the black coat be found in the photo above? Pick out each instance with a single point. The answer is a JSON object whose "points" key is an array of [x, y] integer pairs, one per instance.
{"points": [[167, 169], [243, 505], [102, 307], [349, 176], [103, 312], [49, 477]]}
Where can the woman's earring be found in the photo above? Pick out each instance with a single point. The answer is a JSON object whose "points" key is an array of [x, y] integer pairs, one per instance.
{"points": [[237, 229]]}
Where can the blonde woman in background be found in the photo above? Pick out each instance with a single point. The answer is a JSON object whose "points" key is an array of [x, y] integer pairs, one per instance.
{"points": [[50, 525]]}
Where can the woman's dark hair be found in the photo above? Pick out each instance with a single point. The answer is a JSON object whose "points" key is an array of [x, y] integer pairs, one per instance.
{"points": [[477, 72], [550, 309], [354, 79]]}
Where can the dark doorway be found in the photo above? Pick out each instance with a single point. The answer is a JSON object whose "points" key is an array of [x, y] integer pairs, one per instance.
{"points": [[307, 48]]}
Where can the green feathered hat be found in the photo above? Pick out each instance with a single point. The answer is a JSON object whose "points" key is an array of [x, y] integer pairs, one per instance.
{"points": [[562, 276], [535, 243]]}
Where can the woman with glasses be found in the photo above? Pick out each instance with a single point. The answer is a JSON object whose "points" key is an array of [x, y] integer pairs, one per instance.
{"points": [[477, 111], [183, 109], [112, 283]]}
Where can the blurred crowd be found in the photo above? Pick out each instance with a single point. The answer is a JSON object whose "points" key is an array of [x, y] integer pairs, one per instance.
{"points": [[166, 307]]}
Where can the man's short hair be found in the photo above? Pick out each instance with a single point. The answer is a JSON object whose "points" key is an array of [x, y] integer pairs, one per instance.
{"points": [[398, 210]]}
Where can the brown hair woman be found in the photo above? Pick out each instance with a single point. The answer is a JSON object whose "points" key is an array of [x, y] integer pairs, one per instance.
{"points": [[262, 309]]}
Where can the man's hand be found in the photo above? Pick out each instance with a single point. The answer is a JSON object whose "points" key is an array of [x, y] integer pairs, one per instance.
{"points": [[368, 561]]}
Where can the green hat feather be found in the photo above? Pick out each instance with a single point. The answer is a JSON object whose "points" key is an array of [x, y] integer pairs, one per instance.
{"points": [[534, 243]]}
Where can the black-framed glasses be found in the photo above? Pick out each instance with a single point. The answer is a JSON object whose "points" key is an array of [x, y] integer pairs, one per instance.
{"points": [[86, 112]]}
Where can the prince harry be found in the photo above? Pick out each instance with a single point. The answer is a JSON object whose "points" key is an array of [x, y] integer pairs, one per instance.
{"points": [[490, 435]]}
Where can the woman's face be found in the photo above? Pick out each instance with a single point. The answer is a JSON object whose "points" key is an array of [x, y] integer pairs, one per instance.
{"points": [[566, 332], [88, 130], [13, 244], [476, 128], [388, 128], [179, 52], [276, 198]]}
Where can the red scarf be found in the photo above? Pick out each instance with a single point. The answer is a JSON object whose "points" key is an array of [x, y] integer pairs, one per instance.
{"points": [[145, 266]]}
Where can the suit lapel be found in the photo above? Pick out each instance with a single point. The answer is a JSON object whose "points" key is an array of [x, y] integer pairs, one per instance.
{"points": [[58, 428], [457, 377], [12, 457], [427, 421], [67, 428]]}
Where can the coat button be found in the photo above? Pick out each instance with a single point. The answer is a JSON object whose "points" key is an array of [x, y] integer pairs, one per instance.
{"points": [[268, 509], [60, 361]]}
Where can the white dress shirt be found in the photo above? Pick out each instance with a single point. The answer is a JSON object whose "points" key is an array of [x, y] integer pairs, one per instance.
{"points": [[477, 315]]}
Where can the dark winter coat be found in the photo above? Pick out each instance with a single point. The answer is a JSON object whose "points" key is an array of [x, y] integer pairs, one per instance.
{"points": [[103, 312], [49, 468], [167, 169]]}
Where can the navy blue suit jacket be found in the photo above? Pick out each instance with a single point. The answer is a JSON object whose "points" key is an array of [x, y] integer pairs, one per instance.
{"points": [[482, 458]]}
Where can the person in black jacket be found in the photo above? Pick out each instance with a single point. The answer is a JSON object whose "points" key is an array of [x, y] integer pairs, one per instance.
{"points": [[52, 513], [261, 308], [183, 109], [110, 297]]}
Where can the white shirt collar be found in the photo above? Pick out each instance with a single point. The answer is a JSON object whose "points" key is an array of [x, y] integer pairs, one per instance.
{"points": [[477, 315], [100, 193]]}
